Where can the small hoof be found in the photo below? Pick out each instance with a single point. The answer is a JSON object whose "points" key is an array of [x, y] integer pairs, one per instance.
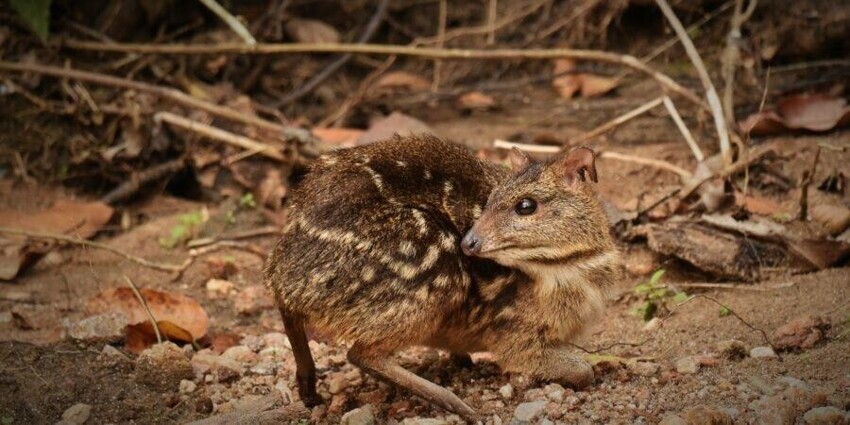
{"points": [[461, 361], [311, 399]]}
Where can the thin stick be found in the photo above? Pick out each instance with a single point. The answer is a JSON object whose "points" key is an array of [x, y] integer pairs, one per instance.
{"points": [[220, 135], [731, 55], [689, 138], [544, 149], [169, 93], [731, 286], [84, 242], [137, 180], [711, 91], [808, 176], [230, 20], [334, 66], [147, 308], [491, 22], [252, 233], [748, 158], [657, 163], [618, 121], [382, 49], [441, 40]]}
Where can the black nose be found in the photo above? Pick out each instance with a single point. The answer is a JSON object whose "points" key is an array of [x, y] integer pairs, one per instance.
{"points": [[471, 244]]}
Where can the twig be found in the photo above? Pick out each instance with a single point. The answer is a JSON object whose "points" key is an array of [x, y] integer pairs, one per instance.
{"points": [[618, 121], [252, 233], [220, 135], [807, 66], [382, 49], [147, 308], [546, 149], [215, 246], [492, 10], [137, 180], [731, 286], [441, 40], [84, 242], [338, 117], [808, 176], [748, 158], [334, 66], [657, 163], [655, 204], [711, 91], [689, 138], [169, 93], [230, 20], [731, 55]]}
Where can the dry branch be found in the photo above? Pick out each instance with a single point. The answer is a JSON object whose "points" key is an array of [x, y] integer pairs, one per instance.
{"points": [[689, 138], [79, 241], [137, 180], [618, 121], [230, 20], [381, 49], [710, 90], [220, 135]]}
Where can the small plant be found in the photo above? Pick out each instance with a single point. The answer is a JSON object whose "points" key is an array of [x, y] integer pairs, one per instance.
{"points": [[725, 311], [187, 226], [247, 201], [656, 296]]}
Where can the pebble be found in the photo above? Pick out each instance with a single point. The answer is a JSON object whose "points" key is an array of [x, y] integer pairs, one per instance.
{"points": [[241, 354], [77, 414], [707, 415], [276, 339], [507, 391], [223, 368], [359, 416], [108, 328], [773, 410], [163, 366], [687, 365], [645, 369], [424, 421], [828, 415], [527, 412], [336, 382], [672, 420], [187, 386], [252, 300], [554, 392], [801, 333], [219, 288], [111, 353], [762, 353], [652, 325]]}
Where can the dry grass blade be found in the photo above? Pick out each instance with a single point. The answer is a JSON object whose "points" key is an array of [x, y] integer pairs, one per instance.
{"points": [[230, 20], [220, 135], [689, 138], [144, 303]]}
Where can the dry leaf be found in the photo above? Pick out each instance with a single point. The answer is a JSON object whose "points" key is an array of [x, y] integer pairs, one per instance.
{"points": [[311, 31], [589, 85], [757, 204], [834, 218], [594, 85], [476, 100], [65, 217], [395, 123], [186, 318], [403, 79], [814, 112], [338, 136]]}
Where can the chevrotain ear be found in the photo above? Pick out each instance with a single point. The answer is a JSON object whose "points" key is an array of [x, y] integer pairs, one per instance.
{"points": [[518, 159], [578, 165]]}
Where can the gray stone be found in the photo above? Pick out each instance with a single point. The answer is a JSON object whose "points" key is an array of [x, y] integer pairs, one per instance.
{"points": [[424, 421], [707, 415], [336, 382], [77, 414], [773, 410], [241, 354], [762, 353], [828, 415], [108, 328], [645, 369], [672, 420], [527, 412], [507, 391], [223, 369], [554, 392], [187, 386], [359, 416], [687, 365]]}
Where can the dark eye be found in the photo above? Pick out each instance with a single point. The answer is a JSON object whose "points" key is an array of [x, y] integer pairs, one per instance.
{"points": [[526, 206]]}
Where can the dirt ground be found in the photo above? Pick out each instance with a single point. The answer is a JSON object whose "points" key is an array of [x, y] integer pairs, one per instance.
{"points": [[650, 374]]}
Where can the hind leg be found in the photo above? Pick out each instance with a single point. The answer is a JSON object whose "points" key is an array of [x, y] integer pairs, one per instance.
{"points": [[305, 369], [382, 366]]}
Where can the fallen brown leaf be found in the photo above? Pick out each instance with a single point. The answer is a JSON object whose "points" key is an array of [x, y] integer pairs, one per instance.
{"points": [[403, 79], [589, 85], [476, 100], [338, 136], [311, 31], [814, 112], [757, 204], [834, 218], [180, 317]]}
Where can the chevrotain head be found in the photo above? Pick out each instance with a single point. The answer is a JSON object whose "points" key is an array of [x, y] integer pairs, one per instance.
{"points": [[545, 213]]}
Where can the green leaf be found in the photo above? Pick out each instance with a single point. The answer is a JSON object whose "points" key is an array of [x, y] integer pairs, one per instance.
{"points": [[36, 13], [680, 297], [725, 311], [247, 201], [656, 277]]}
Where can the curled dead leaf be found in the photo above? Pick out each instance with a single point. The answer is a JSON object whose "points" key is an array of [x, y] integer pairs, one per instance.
{"points": [[186, 319], [403, 79], [588, 85], [476, 100], [813, 112], [311, 31]]}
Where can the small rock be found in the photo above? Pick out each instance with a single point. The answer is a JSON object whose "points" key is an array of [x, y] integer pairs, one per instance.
{"points": [[77, 414], [285, 391], [336, 383], [545, 421], [163, 366], [187, 386], [687, 365], [732, 349], [254, 342], [527, 412], [224, 369], [707, 415], [424, 421], [252, 300], [554, 392], [507, 391], [241, 354], [219, 288], [652, 325], [276, 339], [773, 410], [790, 381], [111, 353], [828, 415], [672, 420], [108, 328], [762, 353], [534, 394], [359, 416], [646, 369], [801, 333]]}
